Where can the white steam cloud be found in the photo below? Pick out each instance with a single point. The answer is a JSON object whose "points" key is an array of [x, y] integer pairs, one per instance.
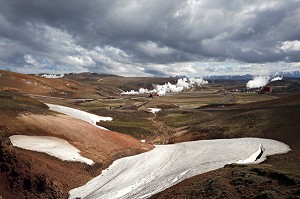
{"points": [[181, 85], [258, 81], [261, 81]]}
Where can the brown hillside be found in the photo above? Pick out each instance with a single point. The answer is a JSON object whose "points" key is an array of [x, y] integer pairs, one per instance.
{"points": [[82, 85], [36, 175], [236, 181], [34, 84], [277, 177]]}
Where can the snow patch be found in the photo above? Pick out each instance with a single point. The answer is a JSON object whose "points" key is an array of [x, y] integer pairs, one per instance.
{"points": [[88, 117], [277, 79], [148, 173], [180, 176], [53, 76], [255, 156], [154, 110], [53, 146]]}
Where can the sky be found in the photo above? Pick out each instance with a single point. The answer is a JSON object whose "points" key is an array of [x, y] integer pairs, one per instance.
{"points": [[150, 37]]}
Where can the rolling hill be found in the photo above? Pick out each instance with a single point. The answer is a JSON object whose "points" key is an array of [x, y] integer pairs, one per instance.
{"points": [[194, 114], [36, 175]]}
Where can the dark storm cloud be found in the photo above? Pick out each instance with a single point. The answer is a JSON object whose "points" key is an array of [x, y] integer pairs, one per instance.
{"points": [[155, 72], [131, 36]]}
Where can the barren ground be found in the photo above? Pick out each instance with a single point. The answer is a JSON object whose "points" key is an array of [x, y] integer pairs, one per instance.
{"points": [[37, 175], [201, 113]]}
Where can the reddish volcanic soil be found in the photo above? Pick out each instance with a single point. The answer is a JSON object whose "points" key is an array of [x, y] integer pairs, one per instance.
{"points": [[34, 84], [94, 143], [28, 174]]}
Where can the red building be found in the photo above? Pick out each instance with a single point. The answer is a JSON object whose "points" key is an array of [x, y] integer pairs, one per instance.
{"points": [[267, 89], [153, 95]]}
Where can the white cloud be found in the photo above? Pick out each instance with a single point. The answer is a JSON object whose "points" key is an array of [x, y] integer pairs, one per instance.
{"points": [[134, 39], [80, 60], [69, 56], [289, 46], [110, 54], [176, 69], [250, 30], [153, 49], [36, 61], [30, 60]]}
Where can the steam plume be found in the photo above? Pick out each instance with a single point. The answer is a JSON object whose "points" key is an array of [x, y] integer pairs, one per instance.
{"points": [[258, 81], [261, 81], [181, 85]]}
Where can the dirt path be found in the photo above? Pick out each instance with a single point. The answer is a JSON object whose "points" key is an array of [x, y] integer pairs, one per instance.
{"points": [[163, 133], [229, 97]]}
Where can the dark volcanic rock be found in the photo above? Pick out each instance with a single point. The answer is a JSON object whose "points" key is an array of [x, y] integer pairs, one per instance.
{"points": [[19, 180]]}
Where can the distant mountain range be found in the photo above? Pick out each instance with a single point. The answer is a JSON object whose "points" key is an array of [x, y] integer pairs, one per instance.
{"points": [[229, 77], [286, 75], [294, 74]]}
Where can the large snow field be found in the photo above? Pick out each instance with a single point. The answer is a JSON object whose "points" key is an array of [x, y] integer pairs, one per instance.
{"points": [[88, 117], [143, 175], [53, 146]]}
